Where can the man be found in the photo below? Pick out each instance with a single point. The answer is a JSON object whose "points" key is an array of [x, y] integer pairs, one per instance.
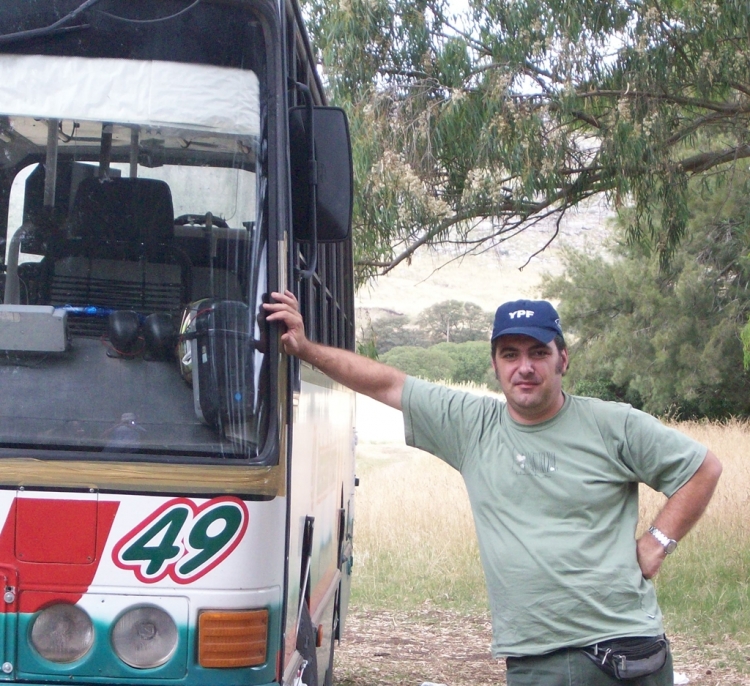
{"points": [[553, 484]]}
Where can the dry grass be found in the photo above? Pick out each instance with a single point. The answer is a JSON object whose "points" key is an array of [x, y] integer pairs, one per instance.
{"points": [[415, 544], [415, 535], [705, 588], [729, 509]]}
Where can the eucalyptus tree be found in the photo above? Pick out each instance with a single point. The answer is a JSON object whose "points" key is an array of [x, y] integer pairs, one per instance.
{"points": [[517, 110]]}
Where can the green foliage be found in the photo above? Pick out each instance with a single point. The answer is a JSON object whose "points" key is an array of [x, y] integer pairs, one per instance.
{"points": [[367, 348], [471, 360], [408, 345], [467, 362], [450, 321], [393, 330], [522, 108], [666, 339], [425, 363], [745, 337], [602, 388]]}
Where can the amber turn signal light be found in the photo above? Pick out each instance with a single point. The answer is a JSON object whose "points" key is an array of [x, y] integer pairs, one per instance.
{"points": [[232, 638]]}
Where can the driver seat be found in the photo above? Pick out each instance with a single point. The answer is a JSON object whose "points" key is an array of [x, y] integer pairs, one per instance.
{"points": [[124, 256], [124, 218]]}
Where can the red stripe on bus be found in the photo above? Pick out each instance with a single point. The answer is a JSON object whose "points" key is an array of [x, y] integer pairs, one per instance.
{"points": [[54, 527]]}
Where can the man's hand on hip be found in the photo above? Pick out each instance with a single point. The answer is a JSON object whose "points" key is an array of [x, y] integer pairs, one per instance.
{"points": [[651, 554]]}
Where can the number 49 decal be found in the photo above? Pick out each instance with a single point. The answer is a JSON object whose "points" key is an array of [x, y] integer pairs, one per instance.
{"points": [[182, 540]]}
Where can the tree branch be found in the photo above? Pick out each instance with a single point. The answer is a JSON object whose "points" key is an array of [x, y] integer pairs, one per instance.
{"points": [[740, 87], [589, 119], [570, 195], [671, 39], [676, 99], [477, 45], [706, 160], [547, 244], [424, 239], [694, 126], [409, 74]]}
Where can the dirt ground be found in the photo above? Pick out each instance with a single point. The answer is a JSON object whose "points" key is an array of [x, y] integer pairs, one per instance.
{"points": [[387, 648]]}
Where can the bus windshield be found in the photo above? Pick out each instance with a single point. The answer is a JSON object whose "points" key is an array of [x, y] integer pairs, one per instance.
{"points": [[135, 258]]}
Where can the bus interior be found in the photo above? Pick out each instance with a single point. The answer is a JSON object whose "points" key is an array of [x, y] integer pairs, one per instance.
{"points": [[135, 265]]}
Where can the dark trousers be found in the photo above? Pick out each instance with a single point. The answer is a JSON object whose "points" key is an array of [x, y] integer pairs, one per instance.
{"points": [[572, 668]]}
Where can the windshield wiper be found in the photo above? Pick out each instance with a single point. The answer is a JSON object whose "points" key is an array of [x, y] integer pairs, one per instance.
{"points": [[53, 29]]}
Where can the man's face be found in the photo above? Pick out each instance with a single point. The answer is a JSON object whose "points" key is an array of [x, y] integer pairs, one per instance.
{"points": [[530, 374]]}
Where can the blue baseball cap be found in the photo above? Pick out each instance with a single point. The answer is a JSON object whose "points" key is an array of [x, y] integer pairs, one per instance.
{"points": [[535, 318]]}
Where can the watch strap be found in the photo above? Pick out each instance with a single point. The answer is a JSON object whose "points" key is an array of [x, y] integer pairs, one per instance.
{"points": [[669, 544]]}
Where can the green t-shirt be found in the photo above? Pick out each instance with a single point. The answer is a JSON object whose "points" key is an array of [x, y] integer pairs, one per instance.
{"points": [[555, 507]]}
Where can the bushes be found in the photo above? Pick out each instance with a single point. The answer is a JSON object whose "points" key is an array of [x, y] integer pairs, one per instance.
{"points": [[426, 363], [456, 362], [471, 360], [407, 343], [666, 338]]}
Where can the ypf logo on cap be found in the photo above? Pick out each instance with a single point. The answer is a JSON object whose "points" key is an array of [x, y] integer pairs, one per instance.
{"points": [[535, 318]]}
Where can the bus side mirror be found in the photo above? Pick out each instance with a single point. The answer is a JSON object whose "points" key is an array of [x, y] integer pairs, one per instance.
{"points": [[335, 187]]}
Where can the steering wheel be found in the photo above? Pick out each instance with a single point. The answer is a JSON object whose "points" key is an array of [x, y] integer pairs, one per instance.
{"points": [[200, 219]]}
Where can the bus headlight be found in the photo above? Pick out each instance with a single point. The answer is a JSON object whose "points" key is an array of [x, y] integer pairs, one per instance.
{"points": [[144, 637], [62, 633]]}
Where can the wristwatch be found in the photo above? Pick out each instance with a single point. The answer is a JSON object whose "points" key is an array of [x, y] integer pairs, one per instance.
{"points": [[670, 545]]}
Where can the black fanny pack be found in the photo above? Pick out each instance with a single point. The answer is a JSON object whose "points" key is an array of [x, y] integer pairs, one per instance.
{"points": [[629, 658]]}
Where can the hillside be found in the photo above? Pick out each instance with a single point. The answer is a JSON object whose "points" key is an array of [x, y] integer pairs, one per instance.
{"points": [[487, 279]]}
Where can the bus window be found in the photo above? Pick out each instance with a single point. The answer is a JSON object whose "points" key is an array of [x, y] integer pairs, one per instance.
{"points": [[135, 259]]}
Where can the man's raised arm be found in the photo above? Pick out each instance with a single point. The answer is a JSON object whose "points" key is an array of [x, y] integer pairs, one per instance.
{"points": [[359, 373]]}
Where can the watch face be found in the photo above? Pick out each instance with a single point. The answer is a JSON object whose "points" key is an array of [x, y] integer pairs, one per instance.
{"points": [[670, 547]]}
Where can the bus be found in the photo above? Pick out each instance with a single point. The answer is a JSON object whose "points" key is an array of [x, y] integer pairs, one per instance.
{"points": [[176, 494]]}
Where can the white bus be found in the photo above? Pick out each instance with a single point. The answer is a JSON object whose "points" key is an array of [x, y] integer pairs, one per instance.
{"points": [[176, 495]]}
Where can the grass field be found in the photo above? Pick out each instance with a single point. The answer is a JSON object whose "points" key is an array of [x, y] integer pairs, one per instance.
{"points": [[415, 543]]}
